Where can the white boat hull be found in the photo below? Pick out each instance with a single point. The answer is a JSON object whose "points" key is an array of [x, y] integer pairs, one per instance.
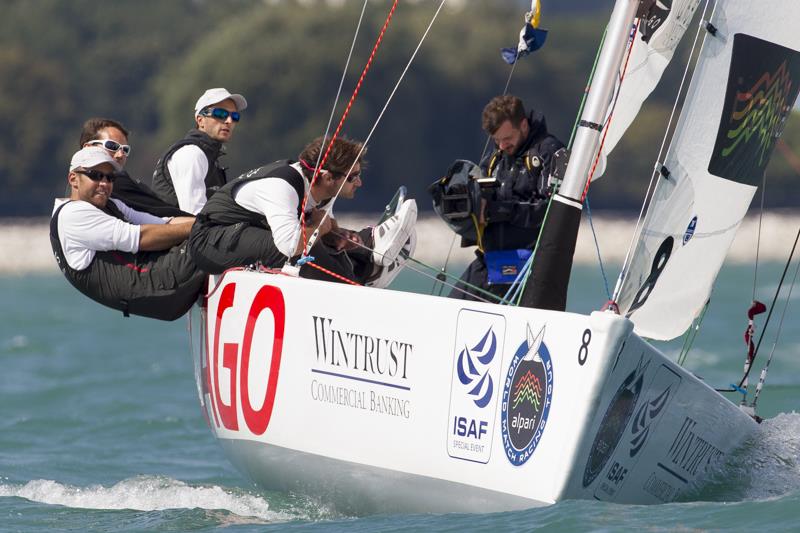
{"points": [[384, 401]]}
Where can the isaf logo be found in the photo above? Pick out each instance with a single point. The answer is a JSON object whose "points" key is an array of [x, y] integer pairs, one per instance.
{"points": [[473, 368], [476, 373], [527, 395]]}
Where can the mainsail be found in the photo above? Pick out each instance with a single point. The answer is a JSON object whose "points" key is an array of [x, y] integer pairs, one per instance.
{"points": [[744, 86]]}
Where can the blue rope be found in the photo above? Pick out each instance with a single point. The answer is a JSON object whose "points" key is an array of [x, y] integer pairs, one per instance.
{"points": [[516, 286], [597, 246]]}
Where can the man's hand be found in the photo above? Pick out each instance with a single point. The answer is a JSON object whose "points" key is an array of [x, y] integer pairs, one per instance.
{"points": [[343, 239]]}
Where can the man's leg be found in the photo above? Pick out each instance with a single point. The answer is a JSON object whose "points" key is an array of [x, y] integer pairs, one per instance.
{"points": [[218, 248]]}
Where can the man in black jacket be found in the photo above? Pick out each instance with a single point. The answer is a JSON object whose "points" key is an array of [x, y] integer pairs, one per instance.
{"points": [[514, 193], [189, 172]]}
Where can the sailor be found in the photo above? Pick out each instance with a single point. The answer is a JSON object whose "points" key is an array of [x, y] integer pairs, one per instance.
{"points": [[513, 193], [113, 137], [189, 172], [122, 258], [256, 218]]}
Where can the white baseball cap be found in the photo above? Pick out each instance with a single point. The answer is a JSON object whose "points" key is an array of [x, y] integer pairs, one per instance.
{"points": [[217, 95], [91, 156]]}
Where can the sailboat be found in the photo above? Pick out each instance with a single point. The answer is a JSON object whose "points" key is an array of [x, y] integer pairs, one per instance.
{"points": [[385, 401]]}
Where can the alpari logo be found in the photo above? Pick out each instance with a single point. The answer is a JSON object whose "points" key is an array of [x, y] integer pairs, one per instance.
{"points": [[762, 87], [478, 381], [642, 420], [527, 395], [690, 229], [237, 363]]}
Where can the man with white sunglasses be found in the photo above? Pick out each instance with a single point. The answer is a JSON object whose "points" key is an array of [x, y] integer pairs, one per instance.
{"points": [[112, 136], [122, 258], [189, 172]]}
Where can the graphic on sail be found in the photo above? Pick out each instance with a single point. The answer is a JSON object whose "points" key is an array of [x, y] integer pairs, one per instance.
{"points": [[722, 144], [762, 86]]}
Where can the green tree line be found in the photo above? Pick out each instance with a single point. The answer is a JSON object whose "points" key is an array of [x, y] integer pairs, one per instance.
{"points": [[145, 63]]}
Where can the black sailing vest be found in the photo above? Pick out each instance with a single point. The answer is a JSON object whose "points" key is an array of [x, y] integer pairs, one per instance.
{"points": [[519, 200], [222, 210], [161, 285], [215, 176]]}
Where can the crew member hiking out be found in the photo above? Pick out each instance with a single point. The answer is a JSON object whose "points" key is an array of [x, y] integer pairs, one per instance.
{"points": [[256, 219], [122, 258]]}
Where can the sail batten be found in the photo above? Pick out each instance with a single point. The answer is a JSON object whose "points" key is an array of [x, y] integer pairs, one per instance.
{"points": [[745, 83]]}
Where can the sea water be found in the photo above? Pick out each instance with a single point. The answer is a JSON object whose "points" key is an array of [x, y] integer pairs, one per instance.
{"points": [[101, 430]]}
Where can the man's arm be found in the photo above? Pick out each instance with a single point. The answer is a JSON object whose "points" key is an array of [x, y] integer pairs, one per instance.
{"points": [[312, 221], [156, 237], [187, 168]]}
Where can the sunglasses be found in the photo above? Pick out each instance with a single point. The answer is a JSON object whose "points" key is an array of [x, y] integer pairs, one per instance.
{"points": [[220, 114], [112, 146], [352, 177], [98, 175]]}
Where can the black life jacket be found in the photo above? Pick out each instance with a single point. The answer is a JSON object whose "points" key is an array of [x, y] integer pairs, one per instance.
{"points": [[140, 197], [520, 198], [215, 176], [525, 173], [222, 210], [161, 285]]}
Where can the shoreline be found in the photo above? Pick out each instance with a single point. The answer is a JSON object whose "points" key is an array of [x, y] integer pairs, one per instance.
{"points": [[25, 243]]}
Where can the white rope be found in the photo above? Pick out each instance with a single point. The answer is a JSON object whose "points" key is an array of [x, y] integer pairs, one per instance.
{"points": [[651, 190], [763, 377], [329, 207], [341, 84], [505, 92]]}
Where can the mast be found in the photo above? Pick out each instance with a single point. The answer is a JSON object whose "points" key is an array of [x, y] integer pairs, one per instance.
{"points": [[552, 264]]}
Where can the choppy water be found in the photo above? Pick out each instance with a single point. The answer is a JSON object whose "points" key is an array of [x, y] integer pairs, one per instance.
{"points": [[100, 430]]}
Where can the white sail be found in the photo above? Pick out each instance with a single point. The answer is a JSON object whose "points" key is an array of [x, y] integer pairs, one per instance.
{"points": [[745, 83], [653, 48]]}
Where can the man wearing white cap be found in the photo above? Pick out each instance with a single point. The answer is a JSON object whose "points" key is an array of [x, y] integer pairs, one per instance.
{"points": [[120, 257], [189, 171]]}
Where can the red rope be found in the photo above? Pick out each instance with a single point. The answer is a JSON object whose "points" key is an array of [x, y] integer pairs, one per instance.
{"points": [[341, 122], [333, 274], [611, 115]]}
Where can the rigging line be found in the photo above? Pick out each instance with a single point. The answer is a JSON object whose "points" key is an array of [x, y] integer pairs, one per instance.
{"points": [[763, 377], [505, 91], [586, 90], [497, 298], [380, 115], [651, 187], [758, 237], [691, 334], [444, 267], [771, 307], [339, 128], [341, 83], [597, 246]]}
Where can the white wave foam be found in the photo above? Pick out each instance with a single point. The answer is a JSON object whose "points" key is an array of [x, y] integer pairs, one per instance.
{"points": [[149, 493]]}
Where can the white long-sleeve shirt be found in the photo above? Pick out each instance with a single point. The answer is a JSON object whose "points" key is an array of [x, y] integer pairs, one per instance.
{"points": [[277, 201], [188, 167], [84, 230]]}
